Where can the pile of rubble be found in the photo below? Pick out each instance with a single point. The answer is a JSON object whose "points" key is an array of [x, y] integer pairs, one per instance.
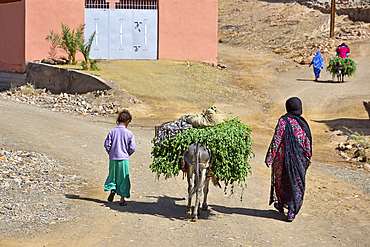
{"points": [[353, 151], [103, 103], [31, 192], [346, 33]]}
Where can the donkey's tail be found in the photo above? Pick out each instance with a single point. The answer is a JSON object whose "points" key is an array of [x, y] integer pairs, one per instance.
{"points": [[196, 179]]}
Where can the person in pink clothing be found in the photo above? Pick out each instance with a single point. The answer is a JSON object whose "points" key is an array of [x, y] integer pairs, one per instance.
{"points": [[342, 50]]}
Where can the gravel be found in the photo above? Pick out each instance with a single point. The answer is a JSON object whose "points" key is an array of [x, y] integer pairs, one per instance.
{"points": [[356, 177], [32, 188]]}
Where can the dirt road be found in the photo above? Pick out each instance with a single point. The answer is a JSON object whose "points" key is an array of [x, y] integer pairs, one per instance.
{"points": [[335, 210]]}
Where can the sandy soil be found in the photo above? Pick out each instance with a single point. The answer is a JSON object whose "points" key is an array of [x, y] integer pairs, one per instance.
{"points": [[335, 210]]}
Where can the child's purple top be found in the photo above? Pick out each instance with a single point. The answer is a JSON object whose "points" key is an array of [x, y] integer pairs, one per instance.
{"points": [[120, 143]]}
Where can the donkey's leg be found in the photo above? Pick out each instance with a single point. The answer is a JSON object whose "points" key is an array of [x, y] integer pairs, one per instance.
{"points": [[199, 193], [205, 191], [190, 172]]}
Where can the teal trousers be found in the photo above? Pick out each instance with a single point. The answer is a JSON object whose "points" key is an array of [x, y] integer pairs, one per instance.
{"points": [[118, 178]]}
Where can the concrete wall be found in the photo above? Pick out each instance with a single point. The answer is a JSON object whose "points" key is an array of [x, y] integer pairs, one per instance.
{"points": [[61, 80], [187, 30], [9, 80], [12, 42]]}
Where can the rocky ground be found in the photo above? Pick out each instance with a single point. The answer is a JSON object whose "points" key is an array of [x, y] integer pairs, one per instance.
{"points": [[293, 30], [31, 192], [104, 102]]}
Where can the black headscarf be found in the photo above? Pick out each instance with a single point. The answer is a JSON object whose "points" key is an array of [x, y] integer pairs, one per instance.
{"points": [[294, 110]]}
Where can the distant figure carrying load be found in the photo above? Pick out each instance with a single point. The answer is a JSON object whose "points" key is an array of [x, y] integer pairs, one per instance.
{"points": [[342, 50], [318, 64]]}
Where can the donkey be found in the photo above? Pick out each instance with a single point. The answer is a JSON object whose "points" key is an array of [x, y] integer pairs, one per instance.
{"points": [[340, 70], [197, 161]]}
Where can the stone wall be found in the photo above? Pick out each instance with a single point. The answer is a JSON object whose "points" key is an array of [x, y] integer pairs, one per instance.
{"points": [[9, 80], [61, 80]]}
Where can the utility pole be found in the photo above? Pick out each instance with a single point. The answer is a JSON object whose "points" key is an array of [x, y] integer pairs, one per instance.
{"points": [[332, 19]]}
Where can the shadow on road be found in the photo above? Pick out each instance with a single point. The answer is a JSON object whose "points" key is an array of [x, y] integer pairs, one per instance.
{"points": [[271, 214], [360, 126], [321, 81], [166, 207]]}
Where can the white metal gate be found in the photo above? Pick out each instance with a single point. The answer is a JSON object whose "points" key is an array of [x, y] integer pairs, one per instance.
{"points": [[123, 30]]}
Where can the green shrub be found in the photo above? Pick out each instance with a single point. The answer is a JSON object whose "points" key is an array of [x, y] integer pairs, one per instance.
{"points": [[85, 48], [67, 40]]}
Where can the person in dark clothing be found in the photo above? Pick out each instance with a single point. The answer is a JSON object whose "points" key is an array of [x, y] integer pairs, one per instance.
{"points": [[289, 156]]}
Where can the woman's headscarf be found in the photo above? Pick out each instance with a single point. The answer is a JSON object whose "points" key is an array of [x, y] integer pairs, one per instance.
{"points": [[294, 106], [318, 60], [294, 110]]}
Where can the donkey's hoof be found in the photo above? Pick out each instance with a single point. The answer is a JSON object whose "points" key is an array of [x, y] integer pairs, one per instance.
{"points": [[204, 207], [195, 218], [188, 214]]}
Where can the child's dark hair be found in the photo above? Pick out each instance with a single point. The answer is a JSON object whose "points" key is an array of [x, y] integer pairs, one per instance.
{"points": [[123, 117]]}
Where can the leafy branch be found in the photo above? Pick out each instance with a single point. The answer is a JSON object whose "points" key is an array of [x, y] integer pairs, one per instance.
{"points": [[229, 142], [349, 66], [85, 49], [68, 40]]}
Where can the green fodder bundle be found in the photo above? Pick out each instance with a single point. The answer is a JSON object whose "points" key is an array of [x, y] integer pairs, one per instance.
{"points": [[229, 142], [349, 66]]}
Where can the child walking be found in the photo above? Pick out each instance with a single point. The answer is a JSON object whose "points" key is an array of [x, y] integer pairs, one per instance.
{"points": [[119, 144]]}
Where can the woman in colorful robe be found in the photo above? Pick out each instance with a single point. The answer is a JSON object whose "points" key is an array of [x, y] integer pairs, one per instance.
{"points": [[318, 64], [289, 156]]}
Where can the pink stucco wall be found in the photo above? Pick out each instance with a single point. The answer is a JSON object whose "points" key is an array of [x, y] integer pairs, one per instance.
{"points": [[187, 29], [12, 51], [42, 17]]}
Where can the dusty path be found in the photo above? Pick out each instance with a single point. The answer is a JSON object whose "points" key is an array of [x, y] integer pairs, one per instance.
{"points": [[335, 210]]}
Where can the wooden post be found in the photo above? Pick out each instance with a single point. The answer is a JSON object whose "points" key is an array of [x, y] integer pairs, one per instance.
{"points": [[332, 19]]}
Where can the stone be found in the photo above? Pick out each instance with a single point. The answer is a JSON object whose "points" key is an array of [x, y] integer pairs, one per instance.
{"points": [[48, 61], [342, 146], [360, 152], [349, 147]]}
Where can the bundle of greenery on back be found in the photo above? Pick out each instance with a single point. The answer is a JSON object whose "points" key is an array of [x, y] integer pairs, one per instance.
{"points": [[349, 66], [229, 142]]}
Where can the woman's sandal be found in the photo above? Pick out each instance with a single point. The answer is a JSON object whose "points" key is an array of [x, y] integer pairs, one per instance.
{"points": [[124, 203], [290, 216]]}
